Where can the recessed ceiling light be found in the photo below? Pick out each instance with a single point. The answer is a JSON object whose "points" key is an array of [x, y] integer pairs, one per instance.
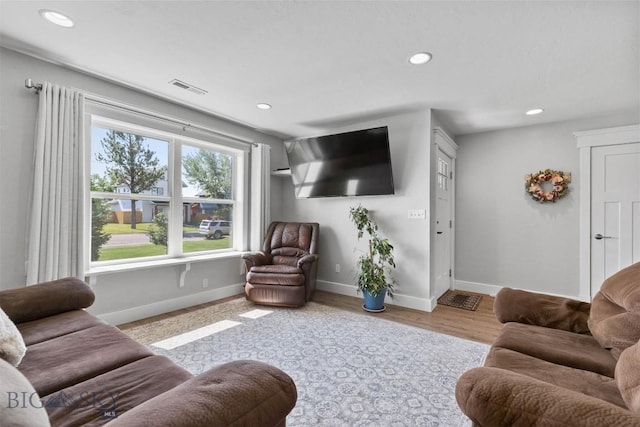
{"points": [[420, 58], [56, 18], [263, 106], [534, 111]]}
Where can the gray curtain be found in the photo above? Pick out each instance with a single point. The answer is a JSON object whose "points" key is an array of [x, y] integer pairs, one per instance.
{"points": [[260, 194], [56, 241]]}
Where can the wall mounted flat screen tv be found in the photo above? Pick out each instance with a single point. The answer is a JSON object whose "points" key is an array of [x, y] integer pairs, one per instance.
{"points": [[354, 163]]}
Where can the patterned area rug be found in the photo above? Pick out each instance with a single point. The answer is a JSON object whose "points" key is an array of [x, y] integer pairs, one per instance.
{"points": [[461, 300], [350, 369]]}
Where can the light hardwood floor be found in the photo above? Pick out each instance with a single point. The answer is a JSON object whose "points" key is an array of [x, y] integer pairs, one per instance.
{"points": [[480, 325]]}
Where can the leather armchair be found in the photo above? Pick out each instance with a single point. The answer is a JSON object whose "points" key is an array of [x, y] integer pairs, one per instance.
{"points": [[284, 272]]}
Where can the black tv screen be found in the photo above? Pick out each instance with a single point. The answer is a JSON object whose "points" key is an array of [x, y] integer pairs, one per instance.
{"points": [[346, 164]]}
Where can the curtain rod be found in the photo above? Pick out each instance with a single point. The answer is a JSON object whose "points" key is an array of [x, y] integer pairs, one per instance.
{"points": [[29, 84]]}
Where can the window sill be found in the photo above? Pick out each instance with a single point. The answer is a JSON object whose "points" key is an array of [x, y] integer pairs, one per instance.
{"points": [[94, 272]]}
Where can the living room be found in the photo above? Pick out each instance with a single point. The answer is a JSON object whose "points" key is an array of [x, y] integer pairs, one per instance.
{"points": [[502, 236]]}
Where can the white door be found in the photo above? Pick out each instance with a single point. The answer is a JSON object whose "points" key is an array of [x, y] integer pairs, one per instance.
{"points": [[443, 255], [615, 210]]}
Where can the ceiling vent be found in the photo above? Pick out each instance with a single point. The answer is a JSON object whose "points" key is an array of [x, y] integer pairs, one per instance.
{"points": [[187, 86]]}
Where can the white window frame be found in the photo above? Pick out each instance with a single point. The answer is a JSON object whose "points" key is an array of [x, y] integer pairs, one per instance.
{"points": [[176, 137]]}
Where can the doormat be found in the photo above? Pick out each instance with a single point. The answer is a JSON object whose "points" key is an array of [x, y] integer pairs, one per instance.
{"points": [[461, 300]]}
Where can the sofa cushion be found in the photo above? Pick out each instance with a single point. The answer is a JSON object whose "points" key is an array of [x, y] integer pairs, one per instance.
{"points": [[516, 305], [292, 235], [276, 275], [20, 404], [557, 346], [46, 299], [578, 380], [70, 359], [236, 394], [57, 325], [496, 397], [12, 346], [107, 396], [615, 311], [628, 377]]}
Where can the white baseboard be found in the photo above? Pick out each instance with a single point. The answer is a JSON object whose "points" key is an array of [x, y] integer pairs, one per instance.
{"points": [[406, 301], [161, 307], [481, 288], [416, 303], [336, 288]]}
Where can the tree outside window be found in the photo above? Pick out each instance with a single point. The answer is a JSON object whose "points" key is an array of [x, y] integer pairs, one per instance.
{"points": [[130, 163]]}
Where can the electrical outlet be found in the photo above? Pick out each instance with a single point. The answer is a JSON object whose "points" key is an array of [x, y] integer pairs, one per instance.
{"points": [[337, 268], [417, 214], [205, 283]]}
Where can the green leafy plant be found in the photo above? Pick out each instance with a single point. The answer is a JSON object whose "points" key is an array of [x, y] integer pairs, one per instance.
{"points": [[159, 231], [100, 214], [374, 266]]}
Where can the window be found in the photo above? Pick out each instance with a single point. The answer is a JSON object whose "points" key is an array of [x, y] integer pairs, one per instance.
{"points": [[208, 196], [155, 194]]}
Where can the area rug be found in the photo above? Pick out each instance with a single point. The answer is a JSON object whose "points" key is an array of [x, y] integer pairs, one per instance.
{"points": [[461, 300], [350, 369]]}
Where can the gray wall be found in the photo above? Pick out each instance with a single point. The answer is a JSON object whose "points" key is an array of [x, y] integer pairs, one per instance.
{"points": [[503, 237], [134, 293], [409, 136]]}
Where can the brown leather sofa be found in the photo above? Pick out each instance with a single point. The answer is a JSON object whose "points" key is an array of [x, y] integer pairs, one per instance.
{"points": [[561, 362], [86, 372], [284, 272]]}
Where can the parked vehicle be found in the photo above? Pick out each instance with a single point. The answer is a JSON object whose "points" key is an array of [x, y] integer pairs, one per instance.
{"points": [[214, 229]]}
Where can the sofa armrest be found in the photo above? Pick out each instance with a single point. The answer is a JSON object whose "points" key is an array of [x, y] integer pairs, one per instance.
{"points": [[46, 299], [307, 259], [253, 259], [497, 397], [239, 393], [513, 305]]}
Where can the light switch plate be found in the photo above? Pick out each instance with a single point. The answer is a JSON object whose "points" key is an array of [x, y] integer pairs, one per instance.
{"points": [[417, 214]]}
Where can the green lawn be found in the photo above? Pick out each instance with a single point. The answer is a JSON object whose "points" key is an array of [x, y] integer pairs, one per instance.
{"points": [[111, 228], [141, 227], [138, 251], [206, 245]]}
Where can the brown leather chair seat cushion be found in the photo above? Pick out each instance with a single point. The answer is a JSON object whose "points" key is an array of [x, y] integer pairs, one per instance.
{"points": [[277, 274], [579, 351]]}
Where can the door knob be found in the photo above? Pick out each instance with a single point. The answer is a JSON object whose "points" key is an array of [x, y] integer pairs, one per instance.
{"points": [[600, 237]]}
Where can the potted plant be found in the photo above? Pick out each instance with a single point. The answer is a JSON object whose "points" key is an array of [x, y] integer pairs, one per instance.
{"points": [[374, 266]]}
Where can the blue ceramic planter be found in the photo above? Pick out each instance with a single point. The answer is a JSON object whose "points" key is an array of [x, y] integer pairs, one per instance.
{"points": [[372, 303]]}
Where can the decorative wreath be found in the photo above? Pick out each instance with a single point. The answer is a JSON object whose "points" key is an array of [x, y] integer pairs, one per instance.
{"points": [[533, 183]]}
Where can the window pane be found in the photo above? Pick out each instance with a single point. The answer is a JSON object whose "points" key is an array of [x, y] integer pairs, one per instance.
{"points": [[207, 227], [135, 179], [208, 173], [113, 238], [128, 163]]}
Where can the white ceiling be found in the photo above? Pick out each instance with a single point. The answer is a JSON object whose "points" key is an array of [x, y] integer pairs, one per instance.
{"points": [[325, 64]]}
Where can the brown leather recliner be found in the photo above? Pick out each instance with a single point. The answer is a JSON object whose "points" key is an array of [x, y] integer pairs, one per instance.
{"points": [[284, 273]]}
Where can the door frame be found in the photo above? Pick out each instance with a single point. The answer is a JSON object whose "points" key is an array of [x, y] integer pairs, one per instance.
{"points": [[448, 146], [586, 140]]}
